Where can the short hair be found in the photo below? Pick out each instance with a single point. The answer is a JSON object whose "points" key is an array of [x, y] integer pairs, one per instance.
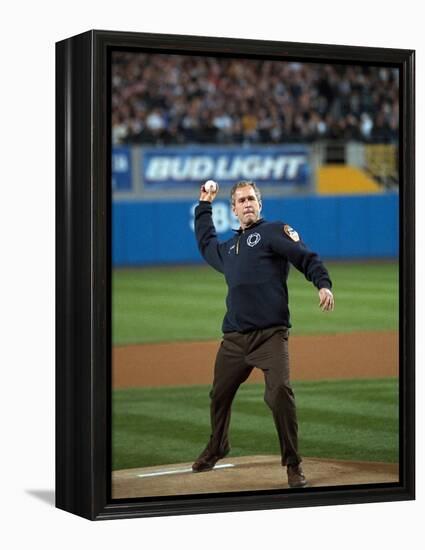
{"points": [[244, 183]]}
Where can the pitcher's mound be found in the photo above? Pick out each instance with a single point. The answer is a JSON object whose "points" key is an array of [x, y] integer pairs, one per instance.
{"points": [[248, 473]]}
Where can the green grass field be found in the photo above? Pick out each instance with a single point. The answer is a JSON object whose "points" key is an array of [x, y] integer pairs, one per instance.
{"points": [[188, 303], [353, 420]]}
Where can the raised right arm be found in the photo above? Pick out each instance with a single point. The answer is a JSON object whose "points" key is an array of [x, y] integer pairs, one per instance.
{"points": [[206, 236]]}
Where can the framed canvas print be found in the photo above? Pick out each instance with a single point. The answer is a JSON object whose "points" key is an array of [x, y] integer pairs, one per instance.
{"points": [[235, 274]]}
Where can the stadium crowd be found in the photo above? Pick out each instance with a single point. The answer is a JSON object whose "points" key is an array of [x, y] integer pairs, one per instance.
{"points": [[173, 99]]}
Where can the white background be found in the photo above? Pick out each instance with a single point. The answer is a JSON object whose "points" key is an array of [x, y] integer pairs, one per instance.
{"points": [[28, 34]]}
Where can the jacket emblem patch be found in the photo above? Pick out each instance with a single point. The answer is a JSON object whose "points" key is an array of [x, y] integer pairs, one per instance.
{"points": [[253, 239], [292, 234]]}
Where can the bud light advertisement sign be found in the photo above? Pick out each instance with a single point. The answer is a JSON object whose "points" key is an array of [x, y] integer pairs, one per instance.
{"points": [[174, 166], [121, 169]]}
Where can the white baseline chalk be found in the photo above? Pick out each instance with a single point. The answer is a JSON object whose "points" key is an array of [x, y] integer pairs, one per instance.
{"points": [[181, 471]]}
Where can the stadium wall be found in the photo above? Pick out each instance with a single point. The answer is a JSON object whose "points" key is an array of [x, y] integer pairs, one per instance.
{"points": [[337, 227]]}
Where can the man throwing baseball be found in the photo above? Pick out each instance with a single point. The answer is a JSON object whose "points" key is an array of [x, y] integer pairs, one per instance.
{"points": [[255, 263]]}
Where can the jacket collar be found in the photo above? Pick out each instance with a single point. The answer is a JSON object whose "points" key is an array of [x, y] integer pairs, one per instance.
{"points": [[258, 222]]}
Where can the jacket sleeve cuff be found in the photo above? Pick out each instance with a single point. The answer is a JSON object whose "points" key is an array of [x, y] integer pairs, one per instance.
{"points": [[325, 284]]}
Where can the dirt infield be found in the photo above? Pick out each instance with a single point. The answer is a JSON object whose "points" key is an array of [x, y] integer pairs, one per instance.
{"points": [[251, 473], [353, 355]]}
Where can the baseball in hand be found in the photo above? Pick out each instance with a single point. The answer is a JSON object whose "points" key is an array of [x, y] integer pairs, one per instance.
{"points": [[210, 186]]}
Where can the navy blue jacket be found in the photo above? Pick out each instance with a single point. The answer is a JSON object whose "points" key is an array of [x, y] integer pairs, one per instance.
{"points": [[255, 263]]}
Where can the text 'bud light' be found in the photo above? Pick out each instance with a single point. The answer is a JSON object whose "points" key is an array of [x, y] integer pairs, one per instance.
{"points": [[173, 165]]}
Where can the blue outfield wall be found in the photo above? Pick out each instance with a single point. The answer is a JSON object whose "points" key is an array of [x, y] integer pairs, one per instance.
{"points": [[337, 227]]}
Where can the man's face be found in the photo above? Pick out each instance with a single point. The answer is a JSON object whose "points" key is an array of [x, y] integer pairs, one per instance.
{"points": [[246, 206]]}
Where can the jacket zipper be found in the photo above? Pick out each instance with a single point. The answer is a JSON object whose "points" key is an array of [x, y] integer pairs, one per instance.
{"points": [[237, 244]]}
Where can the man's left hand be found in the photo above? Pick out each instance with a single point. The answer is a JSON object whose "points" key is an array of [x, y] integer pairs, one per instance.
{"points": [[327, 302]]}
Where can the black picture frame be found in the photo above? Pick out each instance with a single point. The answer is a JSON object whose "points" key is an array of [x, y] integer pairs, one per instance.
{"points": [[83, 311]]}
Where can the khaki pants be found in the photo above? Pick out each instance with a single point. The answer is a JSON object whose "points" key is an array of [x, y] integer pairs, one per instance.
{"points": [[239, 353]]}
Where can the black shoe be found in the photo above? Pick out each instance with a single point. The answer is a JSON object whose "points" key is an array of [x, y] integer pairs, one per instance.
{"points": [[296, 477], [207, 460]]}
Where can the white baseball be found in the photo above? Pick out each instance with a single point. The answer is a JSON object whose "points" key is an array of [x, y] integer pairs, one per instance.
{"points": [[210, 186]]}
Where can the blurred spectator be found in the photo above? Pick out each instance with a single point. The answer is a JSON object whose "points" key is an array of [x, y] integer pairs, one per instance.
{"points": [[173, 99]]}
